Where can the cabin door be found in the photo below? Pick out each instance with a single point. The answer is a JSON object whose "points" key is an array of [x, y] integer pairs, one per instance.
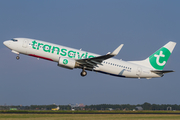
{"points": [[139, 70], [25, 43]]}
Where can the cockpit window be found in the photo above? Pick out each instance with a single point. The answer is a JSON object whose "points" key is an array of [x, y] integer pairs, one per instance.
{"points": [[14, 40]]}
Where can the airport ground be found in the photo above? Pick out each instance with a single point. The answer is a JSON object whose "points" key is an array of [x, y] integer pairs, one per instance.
{"points": [[89, 116]]}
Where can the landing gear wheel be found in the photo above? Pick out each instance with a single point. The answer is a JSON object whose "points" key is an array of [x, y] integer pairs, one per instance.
{"points": [[17, 57], [83, 73]]}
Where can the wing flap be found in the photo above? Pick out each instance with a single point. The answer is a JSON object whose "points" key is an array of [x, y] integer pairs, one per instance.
{"points": [[93, 62]]}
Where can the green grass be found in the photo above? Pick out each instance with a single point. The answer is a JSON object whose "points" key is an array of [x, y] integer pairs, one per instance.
{"points": [[90, 112], [88, 117]]}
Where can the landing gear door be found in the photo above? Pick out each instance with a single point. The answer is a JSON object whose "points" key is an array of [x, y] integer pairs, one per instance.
{"points": [[25, 43]]}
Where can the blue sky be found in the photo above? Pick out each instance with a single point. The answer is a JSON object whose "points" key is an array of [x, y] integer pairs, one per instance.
{"points": [[97, 26]]}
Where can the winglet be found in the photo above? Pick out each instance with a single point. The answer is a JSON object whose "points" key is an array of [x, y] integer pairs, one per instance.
{"points": [[116, 51]]}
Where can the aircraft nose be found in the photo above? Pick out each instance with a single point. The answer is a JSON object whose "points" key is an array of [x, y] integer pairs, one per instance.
{"points": [[5, 43]]}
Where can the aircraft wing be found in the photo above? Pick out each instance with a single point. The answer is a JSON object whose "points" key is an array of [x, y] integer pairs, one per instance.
{"points": [[90, 63]]}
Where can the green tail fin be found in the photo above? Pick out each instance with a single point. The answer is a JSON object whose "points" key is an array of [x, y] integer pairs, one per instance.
{"points": [[159, 59]]}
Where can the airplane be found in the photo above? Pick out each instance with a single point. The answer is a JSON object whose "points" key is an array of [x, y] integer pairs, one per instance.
{"points": [[55, 109], [70, 58]]}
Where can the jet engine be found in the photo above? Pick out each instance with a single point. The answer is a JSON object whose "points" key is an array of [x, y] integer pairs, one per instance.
{"points": [[66, 62]]}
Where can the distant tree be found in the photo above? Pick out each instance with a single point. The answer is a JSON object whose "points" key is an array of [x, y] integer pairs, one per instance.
{"points": [[146, 106]]}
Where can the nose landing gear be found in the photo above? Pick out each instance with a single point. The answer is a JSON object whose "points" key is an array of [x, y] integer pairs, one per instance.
{"points": [[17, 57]]}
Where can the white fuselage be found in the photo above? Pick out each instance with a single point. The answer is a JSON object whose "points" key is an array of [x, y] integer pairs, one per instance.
{"points": [[52, 52]]}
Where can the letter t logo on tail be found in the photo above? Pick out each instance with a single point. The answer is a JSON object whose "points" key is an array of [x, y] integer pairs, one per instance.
{"points": [[158, 57]]}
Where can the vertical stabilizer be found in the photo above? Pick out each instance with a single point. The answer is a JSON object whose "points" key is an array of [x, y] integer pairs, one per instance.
{"points": [[158, 60]]}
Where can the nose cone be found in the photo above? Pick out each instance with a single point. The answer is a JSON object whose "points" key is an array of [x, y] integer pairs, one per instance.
{"points": [[5, 43]]}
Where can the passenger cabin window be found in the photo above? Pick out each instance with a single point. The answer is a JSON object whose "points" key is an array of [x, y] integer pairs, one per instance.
{"points": [[14, 40]]}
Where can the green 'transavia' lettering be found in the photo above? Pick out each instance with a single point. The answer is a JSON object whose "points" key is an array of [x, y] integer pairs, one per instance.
{"points": [[55, 48], [47, 48], [80, 56], [34, 42], [71, 52], [39, 44], [63, 51]]}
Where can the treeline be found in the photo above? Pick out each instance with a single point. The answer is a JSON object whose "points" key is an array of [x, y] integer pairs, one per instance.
{"points": [[145, 106], [36, 107]]}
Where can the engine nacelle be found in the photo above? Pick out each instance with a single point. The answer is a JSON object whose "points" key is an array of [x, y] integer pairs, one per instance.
{"points": [[66, 62]]}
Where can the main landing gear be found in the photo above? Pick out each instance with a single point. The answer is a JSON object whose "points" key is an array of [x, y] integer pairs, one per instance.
{"points": [[17, 57], [83, 73]]}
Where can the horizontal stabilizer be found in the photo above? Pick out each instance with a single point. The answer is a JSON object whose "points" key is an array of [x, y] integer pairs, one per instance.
{"points": [[161, 71]]}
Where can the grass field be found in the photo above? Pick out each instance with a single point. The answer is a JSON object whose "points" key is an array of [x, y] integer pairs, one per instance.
{"points": [[89, 117], [89, 112]]}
